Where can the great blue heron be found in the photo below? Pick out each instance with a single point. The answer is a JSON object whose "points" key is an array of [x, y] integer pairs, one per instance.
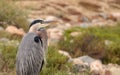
{"points": [[32, 49]]}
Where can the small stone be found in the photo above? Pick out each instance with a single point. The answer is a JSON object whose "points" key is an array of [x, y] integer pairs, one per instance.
{"points": [[79, 65], [85, 19], [77, 61], [111, 17], [64, 53], [85, 25], [115, 70], [108, 42], [86, 59], [103, 15], [51, 18], [1, 28], [73, 10], [15, 30], [107, 72], [64, 27], [74, 34], [54, 34], [96, 67], [116, 14], [4, 40]]}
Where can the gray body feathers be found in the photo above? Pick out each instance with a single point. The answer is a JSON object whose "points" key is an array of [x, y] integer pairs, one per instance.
{"points": [[30, 56]]}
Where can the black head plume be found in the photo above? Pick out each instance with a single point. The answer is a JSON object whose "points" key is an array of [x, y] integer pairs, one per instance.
{"points": [[36, 21]]}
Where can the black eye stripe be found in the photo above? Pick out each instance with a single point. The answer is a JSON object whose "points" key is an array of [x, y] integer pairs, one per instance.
{"points": [[36, 21]]}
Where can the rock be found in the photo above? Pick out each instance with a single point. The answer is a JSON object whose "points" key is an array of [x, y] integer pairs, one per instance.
{"points": [[103, 15], [54, 34], [107, 42], [96, 67], [82, 63], [95, 20], [116, 14], [92, 5], [65, 53], [107, 72], [74, 34], [85, 19], [64, 26], [86, 59], [85, 25], [103, 19], [79, 65], [103, 23], [15, 30], [51, 18], [112, 69], [83, 60], [111, 17], [73, 10], [80, 68], [4, 40], [65, 18], [76, 61], [62, 4], [1, 28], [115, 70]]}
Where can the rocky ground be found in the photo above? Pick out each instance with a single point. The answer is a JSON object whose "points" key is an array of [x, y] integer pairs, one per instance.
{"points": [[93, 66], [68, 13], [73, 11]]}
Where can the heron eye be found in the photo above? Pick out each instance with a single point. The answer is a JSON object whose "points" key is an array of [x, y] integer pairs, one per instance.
{"points": [[36, 39]]}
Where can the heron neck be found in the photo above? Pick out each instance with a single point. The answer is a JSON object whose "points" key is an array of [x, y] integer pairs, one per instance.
{"points": [[33, 29]]}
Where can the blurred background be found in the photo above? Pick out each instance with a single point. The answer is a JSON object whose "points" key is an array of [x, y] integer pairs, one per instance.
{"points": [[85, 40]]}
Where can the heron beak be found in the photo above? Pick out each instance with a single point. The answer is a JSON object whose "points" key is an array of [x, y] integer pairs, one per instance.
{"points": [[46, 24], [51, 22]]}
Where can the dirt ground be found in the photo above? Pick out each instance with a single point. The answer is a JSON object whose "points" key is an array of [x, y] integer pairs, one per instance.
{"points": [[69, 10]]}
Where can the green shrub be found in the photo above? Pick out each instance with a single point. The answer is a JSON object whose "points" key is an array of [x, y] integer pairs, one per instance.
{"points": [[56, 63], [8, 55], [92, 42], [11, 14], [85, 43], [113, 53]]}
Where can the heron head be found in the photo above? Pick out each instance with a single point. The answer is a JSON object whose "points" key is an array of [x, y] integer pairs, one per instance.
{"points": [[37, 25]]}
